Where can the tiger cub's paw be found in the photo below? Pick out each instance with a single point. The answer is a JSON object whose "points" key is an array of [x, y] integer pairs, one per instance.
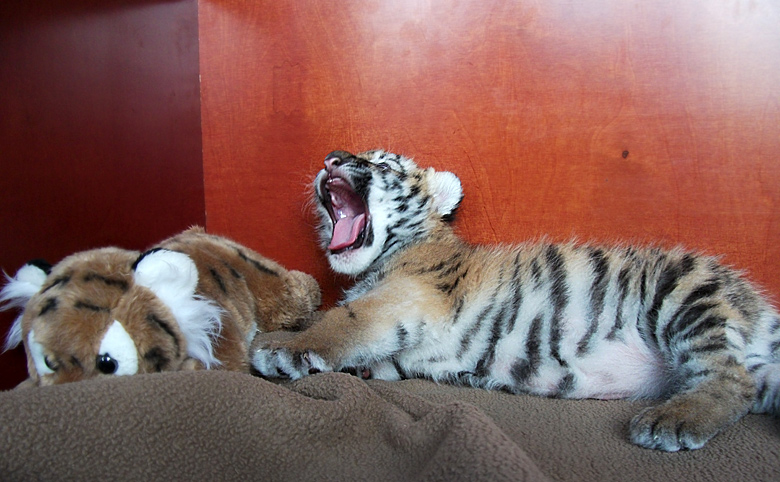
{"points": [[671, 427], [284, 363], [274, 360]]}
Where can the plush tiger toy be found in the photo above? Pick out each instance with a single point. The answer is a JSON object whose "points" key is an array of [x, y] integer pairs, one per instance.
{"points": [[558, 320], [194, 301]]}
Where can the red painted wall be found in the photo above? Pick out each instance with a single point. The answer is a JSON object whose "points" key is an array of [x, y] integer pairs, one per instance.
{"points": [[645, 121], [607, 120], [99, 130]]}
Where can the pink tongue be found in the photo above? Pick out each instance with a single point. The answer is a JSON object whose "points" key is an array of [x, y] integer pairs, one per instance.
{"points": [[346, 231]]}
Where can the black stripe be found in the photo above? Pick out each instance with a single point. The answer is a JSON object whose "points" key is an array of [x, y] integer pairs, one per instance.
{"points": [[218, 280], [489, 354], [774, 346], [157, 321], [685, 317], [448, 288], [718, 343], [458, 309], [560, 297], [761, 392], [517, 296], [49, 305], [566, 385], [667, 283], [454, 266], [775, 326], [687, 312], [468, 337], [757, 367], [369, 239], [536, 272], [597, 292], [704, 325], [85, 305], [699, 374], [398, 369], [623, 281], [232, 270], [61, 280], [523, 369], [465, 342], [388, 245], [259, 266], [157, 358], [112, 282], [403, 335]]}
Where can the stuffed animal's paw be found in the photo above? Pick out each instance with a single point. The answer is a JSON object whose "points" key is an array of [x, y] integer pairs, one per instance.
{"points": [[666, 427], [273, 359]]}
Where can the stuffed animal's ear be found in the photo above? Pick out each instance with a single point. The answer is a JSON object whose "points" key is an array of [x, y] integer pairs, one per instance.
{"points": [[169, 274], [446, 191], [173, 277], [18, 291]]}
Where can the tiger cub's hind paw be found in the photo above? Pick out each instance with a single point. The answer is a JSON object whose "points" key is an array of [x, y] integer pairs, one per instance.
{"points": [[671, 427]]}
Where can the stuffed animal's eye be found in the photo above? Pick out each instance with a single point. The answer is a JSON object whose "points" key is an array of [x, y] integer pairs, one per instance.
{"points": [[49, 364], [106, 364]]}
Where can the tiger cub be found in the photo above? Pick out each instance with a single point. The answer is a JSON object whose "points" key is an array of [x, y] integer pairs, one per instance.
{"points": [[557, 320]]}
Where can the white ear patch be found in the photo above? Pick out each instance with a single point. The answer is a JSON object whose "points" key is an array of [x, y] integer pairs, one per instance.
{"points": [[446, 190], [36, 351], [169, 274], [117, 349]]}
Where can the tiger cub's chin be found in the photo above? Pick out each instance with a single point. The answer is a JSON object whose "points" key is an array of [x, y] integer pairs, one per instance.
{"points": [[560, 320]]}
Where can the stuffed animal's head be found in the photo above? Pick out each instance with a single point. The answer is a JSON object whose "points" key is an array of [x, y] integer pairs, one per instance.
{"points": [[111, 312]]}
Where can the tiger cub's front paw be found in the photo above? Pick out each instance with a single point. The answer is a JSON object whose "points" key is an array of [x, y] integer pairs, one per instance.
{"points": [[273, 356], [284, 363]]}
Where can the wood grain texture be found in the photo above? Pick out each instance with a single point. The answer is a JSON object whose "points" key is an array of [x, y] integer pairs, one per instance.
{"points": [[607, 120], [99, 131]]}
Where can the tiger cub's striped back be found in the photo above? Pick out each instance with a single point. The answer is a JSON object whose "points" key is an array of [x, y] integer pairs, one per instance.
{"points": [[564, 320]]}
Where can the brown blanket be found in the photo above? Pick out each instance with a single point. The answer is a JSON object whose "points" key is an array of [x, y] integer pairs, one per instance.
{"points": [[229, 426]]}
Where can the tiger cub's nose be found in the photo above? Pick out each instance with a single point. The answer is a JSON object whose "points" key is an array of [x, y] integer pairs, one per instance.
{"points": [[332, 162], [336, 158]]}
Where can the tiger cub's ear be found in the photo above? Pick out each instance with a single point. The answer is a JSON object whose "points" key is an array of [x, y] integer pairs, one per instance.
{"points": [[446, 191], [171, 275], [18, 291]]}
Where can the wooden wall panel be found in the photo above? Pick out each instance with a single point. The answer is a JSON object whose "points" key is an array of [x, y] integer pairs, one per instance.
{"points": [[99, 130], [652, 121]]}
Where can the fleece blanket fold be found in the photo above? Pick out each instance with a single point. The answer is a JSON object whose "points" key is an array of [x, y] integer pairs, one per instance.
{"points": [[231, 426]]}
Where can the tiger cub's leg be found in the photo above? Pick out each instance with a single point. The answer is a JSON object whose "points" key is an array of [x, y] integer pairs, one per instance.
{"points": [[711, 387], [362, 333]]}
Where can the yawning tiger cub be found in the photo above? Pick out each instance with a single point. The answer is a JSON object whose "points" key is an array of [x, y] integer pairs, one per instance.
{"points": [[561, 320]]}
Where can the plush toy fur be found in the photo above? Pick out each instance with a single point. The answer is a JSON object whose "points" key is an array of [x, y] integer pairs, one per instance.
{"points": [[194, 301]]}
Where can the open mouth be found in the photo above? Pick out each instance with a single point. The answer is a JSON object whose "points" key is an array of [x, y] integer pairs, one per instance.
{"points": [[347, 210]]}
